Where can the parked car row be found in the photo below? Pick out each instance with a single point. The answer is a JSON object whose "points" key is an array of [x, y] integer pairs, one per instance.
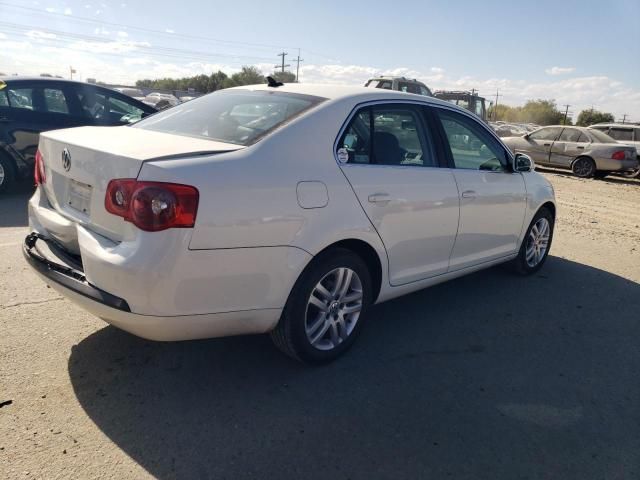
{"points": [[587, 152]]}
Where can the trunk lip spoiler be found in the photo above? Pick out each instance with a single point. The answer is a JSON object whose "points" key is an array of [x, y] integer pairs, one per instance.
{"points": [[68, 277]]}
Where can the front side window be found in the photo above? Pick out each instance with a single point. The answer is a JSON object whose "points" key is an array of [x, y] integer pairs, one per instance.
{"points": [[570, 135], [472, 148], [387, 135], [4, 100], [93, 104], [55, 101], [621, 134], [241, 117], [548, 133]]}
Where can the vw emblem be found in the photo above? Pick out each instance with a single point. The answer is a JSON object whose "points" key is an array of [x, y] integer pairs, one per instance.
{"points": [[66, 160]]}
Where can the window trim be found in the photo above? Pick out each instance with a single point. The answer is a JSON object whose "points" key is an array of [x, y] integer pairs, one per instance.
{"points": [[432, 123]]}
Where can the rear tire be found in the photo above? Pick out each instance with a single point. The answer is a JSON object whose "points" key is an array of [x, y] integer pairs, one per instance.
{"points": [[326, 309], [7, 174], [583, 167], [536, 244]]}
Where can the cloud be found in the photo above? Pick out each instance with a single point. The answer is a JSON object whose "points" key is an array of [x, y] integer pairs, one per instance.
{"points": [[101, 31], [168, 30], [88, 5], [437, 70], [2, 35], [38, 35], [50, 9], [68, 11], [122, 34], [559, 70], [119, 46]]}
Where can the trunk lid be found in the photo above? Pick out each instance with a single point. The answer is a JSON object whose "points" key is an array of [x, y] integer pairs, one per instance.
{"points": [[80, 162]]}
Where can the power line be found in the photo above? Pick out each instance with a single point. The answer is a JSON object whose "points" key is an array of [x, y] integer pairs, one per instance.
{"points": [[134, 46], [135, 28]]}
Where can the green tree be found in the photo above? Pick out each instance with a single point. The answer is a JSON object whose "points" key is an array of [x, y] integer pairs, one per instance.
{"points": [[541, 112], [284, 77], [247, 76], [591, 116]]}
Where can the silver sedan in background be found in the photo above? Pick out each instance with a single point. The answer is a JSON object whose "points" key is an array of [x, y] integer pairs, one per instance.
{"points": [[586, 152]]}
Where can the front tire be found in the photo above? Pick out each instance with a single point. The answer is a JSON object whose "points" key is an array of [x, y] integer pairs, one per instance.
{"points": [[536, 244], [325, 309]]}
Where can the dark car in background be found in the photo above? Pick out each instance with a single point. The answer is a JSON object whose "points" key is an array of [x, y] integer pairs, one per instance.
{"points": [[29, 106]]}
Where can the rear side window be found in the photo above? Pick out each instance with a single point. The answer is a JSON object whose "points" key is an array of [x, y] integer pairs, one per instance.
{"points": [[20, 98], [621, 134], [241, 117], [472, 147], [55, 101], [549, 133], [387, 135], [570, 135]]}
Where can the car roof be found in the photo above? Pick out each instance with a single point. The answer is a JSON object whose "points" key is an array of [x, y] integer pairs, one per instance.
{"points": [[20, 78], [339, 92], [625, 125]]}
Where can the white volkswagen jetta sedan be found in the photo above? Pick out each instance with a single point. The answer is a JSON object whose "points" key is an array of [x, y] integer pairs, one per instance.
{"points": [[282, 209]]}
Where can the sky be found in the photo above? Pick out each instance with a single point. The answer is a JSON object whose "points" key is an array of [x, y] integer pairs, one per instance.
{"points": [[582, 53]]}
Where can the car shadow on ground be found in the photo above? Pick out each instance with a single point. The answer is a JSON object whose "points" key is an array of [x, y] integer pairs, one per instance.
{"points": [[488, 376], [13, 206]]}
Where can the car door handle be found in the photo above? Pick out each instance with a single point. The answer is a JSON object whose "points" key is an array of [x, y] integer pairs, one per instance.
{"points": [[580, 148], [4, 120], [469, 194], [547, 144], [379, 198]]}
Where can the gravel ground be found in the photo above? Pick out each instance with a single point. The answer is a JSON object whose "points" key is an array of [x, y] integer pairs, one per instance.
{"points": [[486, 377]]}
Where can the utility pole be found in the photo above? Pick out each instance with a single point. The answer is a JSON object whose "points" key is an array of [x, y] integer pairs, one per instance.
{"points": [[624, 117], [298, 60], [495, 107], [71, 72], [566, 112], [283, 54]]}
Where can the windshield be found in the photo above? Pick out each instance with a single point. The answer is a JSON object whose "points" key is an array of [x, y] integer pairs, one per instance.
{"points": [[601, 137], [241, 117]]}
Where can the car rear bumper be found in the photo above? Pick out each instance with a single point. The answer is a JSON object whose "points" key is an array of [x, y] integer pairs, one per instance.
{"points": [[72, 283], [610, 165]]}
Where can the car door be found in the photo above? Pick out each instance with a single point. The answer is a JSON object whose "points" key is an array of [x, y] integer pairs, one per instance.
{"points": [[569, 145], [388, 156], [492, 197], [538, 144]]}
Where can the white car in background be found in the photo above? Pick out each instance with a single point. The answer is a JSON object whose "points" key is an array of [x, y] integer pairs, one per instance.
{"points": [[283, 209]]}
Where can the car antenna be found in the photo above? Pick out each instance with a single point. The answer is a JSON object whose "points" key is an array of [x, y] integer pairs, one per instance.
{"points": [[272, 82]]}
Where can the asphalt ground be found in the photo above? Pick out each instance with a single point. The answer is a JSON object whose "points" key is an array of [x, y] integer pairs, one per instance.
{"points": [[490, 376]]}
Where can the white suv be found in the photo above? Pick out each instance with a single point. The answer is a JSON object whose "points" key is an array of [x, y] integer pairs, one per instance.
{"points": [[283, 209]]}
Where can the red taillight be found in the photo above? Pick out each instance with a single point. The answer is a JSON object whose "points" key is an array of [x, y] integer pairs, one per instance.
{"points": [[619, 155], [152, 206], [38, 171]]}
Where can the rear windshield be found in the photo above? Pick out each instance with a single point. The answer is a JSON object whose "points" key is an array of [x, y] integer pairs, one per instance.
{"points": [[241, 117], [600, 137]]}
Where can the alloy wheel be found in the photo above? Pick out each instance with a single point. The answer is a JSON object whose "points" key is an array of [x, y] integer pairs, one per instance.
{"points": [[538, 242], [333, 308], [583, 167], [2, 174]]}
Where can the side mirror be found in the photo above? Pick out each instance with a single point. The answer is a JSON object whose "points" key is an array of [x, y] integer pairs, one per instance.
{"points": [[522, 163], [526, 136]]}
